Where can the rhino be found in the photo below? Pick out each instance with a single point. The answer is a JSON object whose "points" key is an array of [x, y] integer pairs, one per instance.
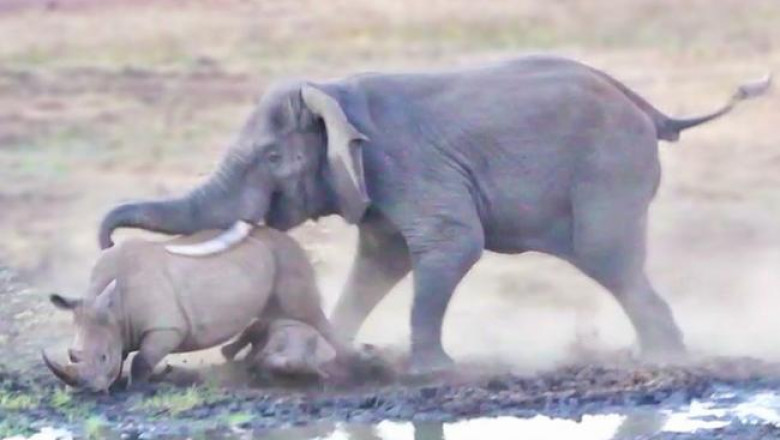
{"points": [[288, 347], [156, 298]]}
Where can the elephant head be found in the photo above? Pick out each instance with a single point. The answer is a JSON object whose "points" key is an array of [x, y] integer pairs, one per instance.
{"points": [[95, 359], [297, 157]]}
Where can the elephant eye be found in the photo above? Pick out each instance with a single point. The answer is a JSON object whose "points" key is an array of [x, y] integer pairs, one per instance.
{"points": [[104, 358]]}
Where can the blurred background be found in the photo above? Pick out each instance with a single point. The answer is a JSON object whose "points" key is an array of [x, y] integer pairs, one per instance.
{"points": [[103, 101]]}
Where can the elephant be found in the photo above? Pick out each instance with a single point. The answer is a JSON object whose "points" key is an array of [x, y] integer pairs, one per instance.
{"points": [[539, 153]]}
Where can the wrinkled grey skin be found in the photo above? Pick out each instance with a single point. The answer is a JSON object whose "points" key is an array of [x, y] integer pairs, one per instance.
{"points": [[535, 154]]}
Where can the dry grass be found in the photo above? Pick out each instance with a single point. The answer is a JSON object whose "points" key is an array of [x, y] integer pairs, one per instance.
{"points": [[104, 101]]}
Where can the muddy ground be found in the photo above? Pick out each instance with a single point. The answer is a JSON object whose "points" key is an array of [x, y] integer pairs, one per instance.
{"points": [[569, 392]]}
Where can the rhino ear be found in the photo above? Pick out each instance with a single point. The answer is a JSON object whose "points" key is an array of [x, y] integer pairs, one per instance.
{"points": [[63, 302], [107, 297]]}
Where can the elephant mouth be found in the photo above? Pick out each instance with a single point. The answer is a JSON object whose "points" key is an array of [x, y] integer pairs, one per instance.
{"points": [[274, 215], [285, 214]]}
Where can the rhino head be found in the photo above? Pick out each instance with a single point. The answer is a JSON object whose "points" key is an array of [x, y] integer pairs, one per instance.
{"points": [[295, 348], [95, 358]]}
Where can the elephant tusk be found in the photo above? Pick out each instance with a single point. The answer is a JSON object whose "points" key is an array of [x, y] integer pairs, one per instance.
{"points": [[222, 242]]}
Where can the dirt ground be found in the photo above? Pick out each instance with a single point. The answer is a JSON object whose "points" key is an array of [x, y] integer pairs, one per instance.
{"points": [[303, 411], [105, 101]]}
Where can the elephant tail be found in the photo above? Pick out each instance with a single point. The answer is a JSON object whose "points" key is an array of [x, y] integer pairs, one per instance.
{"points": [[668, 128]]}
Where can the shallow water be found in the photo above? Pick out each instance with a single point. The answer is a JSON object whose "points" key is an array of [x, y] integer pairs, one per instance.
{"points": [[725, 407], [720, 410]]}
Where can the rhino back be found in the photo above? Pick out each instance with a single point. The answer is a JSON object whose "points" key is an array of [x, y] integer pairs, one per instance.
{"points": [[296, 282], [220, 294], [148, 301]]}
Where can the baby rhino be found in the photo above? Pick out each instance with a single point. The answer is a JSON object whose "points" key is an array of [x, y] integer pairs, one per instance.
{"points": [[143, 297], [290, 347]]}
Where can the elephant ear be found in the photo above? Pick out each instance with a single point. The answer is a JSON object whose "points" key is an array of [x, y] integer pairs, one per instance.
{"points": [[345, 158]]}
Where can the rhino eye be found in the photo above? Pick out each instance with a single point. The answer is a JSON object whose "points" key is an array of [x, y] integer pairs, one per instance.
{"points": [[273, 156], [104, 358]]}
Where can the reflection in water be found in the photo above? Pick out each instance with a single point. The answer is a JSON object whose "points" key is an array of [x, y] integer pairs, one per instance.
{"points": [[316, 431], [640, 424], [720, 410], [596, 427], [429, 431], [362, 432]]}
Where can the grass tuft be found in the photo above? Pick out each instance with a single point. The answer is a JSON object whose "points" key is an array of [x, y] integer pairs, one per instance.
{"points": [[176, 401], [237, 419], [61, 398], [12, 401], [95, 428]]}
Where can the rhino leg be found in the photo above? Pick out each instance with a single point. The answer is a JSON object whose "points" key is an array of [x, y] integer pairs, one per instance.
{"points": [[155, 346], [301, 303], [255, 334]]}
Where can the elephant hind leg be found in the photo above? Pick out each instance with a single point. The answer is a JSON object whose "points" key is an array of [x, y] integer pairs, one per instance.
{"points": [[609, 246]]}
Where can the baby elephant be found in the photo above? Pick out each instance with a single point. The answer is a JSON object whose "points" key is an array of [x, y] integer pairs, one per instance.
{"points": [[143, 297]]}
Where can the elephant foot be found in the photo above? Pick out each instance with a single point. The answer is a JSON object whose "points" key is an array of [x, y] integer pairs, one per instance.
{"points": [[669, 352], [430, 362]]}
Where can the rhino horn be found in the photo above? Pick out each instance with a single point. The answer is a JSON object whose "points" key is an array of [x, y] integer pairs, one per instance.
{"points": [[65, 373]]}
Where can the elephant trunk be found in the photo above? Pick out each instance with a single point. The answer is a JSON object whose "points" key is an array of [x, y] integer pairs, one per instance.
{"points": [[216, 204]]}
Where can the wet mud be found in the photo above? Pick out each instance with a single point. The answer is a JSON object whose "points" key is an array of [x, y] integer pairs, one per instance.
{"points": [[570, 393]]}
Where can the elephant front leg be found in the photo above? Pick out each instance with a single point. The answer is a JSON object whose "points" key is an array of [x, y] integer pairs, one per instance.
{"points": [[382, 261], [438, 266], [155, 345]]}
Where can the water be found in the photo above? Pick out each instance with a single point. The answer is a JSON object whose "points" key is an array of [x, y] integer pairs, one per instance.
{"points": [[720, 410], [723, 408]]}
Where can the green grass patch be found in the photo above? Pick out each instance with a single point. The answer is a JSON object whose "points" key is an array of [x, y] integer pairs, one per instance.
{"points": [[61, 398], [95, 427], [12, 426], [237, 419], [13, 401], [175, 401]]}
